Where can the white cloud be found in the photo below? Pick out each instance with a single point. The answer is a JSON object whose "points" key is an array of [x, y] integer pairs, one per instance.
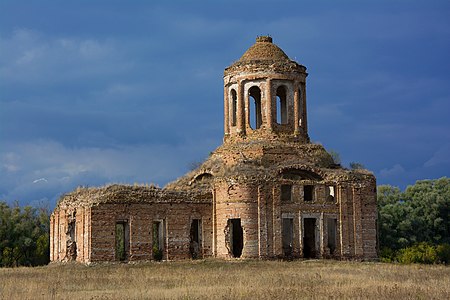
{"points": [[40, 180], [48, 168], [29, 57], [394, 171], [441, 156]]}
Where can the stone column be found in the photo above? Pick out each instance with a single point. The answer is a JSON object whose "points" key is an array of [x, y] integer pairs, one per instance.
{"points": [[269, 103], [214, 225], [277, 225], [304, 114], [262, 223], [357, 226], [226, 111], [52, 237], [240, 108], [296, 109]]}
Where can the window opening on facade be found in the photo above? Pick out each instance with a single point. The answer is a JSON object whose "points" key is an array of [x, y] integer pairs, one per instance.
{"points": [[255, 112], [308, 192], [286, 192], [331, 234], [309, 238], [122, 240], [282, 110], [236, 237], [158, 240], [287, 236], [330, 193], [233, 107], [195, 238]]}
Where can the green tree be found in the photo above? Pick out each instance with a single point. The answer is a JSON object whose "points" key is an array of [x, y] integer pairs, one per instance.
{"points": [[420, 214], [24, 235], [429, 202]]}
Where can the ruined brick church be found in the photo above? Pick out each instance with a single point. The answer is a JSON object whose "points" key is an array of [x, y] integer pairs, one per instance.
{"points": [[266, 192]]}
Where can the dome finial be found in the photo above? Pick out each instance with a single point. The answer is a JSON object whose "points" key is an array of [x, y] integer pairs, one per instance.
{"points": [[264, 39]]}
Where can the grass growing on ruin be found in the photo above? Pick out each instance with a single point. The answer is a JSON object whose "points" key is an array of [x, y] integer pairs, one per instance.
{"points": [[227, 280]]}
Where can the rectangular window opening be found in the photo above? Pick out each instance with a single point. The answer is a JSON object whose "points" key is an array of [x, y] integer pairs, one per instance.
{"points": [[286, 192], [330, 193], [308, 192]]}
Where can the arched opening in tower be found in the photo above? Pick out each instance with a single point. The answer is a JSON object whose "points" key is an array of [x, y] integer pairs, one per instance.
{"points": [[233, 107], [255, 112], [282, 111]]}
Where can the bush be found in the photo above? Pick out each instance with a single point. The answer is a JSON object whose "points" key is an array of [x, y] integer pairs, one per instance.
{"points": [[422, 253], [443, 252], [388, 255], [157, 253]]}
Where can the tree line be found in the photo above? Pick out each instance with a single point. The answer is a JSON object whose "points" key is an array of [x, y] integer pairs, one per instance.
{"points": [[24, 236], [414, 226]]}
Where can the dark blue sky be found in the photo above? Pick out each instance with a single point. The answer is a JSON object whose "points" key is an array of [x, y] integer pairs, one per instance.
{"points": [[96, 92]]}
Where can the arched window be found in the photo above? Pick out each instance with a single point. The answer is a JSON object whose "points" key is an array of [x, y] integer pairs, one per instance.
{"points": [[254, 94], [282, 113], [300, 174], [233, 107]]}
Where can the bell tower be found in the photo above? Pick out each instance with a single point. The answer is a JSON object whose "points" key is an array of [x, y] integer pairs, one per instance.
{"points": [[265, 96]]}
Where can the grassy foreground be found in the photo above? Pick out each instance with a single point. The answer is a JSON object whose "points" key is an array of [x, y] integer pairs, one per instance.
{"points": [[216, 279]]}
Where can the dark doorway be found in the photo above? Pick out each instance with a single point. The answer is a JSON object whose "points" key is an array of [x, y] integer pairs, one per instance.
{"points": [[122, 241], [236, 237], [158, 240], [309, 238], [331, 233], [195, 238], [288, 236]]}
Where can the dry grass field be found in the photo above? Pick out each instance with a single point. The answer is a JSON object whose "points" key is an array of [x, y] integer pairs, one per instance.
{"points": [[215, 279]]}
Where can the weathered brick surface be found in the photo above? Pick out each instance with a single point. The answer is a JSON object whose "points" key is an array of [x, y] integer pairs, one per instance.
{"points": [[236, 194]]}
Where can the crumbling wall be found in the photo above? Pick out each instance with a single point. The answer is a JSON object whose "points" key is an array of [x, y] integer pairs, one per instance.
{"points": [[236, 201], [70, 234], [176, 219]]}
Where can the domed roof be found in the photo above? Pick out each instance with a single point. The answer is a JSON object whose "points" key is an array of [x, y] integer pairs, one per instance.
{"points": [[264, 49], [264, 56]]}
